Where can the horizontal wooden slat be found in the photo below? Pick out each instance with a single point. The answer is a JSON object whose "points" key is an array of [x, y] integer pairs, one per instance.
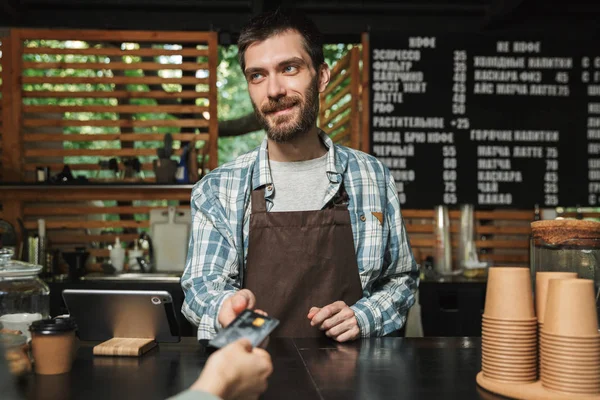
{"points": [[114, 35], [128, 109], [92, 152], [60, 237], [333, 85], [342, 64], [71, 193], [455, 214], [335, 113], [488, 230], [54, 167], [117, 94], [51, 224], [85, 210], [116, 80], [480, 244], [107, 51], [340, 123], [123, 123], [123, 137], [146, 66], [341, 135], [338, 96]]}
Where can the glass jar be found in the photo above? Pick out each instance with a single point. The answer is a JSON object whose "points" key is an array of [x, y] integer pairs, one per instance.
{"points": [[24, 297], [567, 246], [16, 352]]}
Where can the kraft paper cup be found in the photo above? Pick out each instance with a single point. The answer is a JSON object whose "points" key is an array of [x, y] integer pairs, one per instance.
{"points": [[541, 289], [53, 344], [501, 322], [571, 308], [508, 294], [567, 340], [508, 327]]}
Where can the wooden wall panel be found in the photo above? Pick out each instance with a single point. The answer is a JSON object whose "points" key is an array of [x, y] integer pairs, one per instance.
{"points": [[339, 114], [91, 95]]}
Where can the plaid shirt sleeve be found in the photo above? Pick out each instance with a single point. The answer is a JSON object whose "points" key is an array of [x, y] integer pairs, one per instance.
{"points": [[385, 309], [212, 263]]}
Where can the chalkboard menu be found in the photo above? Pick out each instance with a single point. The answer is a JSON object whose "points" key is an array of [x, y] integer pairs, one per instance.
{"points": [[486, 120]]}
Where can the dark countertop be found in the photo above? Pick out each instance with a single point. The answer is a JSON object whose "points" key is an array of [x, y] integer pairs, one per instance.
{"points": [[377, 368]]}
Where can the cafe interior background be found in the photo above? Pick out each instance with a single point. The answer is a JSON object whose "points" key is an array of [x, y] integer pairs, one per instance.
{"points": [[487, 113]]}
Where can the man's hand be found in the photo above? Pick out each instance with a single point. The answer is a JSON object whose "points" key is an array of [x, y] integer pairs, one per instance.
{"points": [[337, 320], [234, 305], [237, 371]]}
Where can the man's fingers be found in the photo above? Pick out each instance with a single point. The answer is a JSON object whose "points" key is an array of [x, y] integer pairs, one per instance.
{"points": [[348, 335], [340, 328], [244, 343], [261, 312], [312, 312], [242, 300], [340, 317], [327, 312]]}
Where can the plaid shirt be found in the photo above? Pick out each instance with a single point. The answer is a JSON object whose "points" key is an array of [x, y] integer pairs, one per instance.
{"points": [[219, 238]]}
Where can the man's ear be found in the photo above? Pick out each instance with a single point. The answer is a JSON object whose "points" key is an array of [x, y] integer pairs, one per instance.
{"points": [[324, 76]]}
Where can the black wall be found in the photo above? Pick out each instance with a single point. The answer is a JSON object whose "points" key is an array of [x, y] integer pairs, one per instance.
{"points": [[341, 21]]}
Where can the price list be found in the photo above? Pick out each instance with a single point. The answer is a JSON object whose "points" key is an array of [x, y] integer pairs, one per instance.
{"points": [[491, 121]]}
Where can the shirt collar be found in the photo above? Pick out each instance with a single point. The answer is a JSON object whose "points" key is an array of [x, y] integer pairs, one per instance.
{"points": [[336, 163]]}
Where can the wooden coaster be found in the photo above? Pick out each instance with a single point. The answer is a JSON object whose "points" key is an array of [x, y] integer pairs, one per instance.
{"points": [[528, 391], [129, 347]]}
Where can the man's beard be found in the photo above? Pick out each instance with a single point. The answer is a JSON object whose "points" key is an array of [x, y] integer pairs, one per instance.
{"points": [[284, 128]]}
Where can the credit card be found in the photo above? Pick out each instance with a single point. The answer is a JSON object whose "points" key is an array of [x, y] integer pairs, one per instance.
{"points": [[248, 325]]}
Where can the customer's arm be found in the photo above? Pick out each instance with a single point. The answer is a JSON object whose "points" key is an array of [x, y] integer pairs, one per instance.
{"points": [[236, 371], [212, 263], [384, 310]]}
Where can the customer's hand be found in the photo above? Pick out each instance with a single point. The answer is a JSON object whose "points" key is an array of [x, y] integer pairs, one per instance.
{"points": [[337, 320], [237, 371], [234, 305]]}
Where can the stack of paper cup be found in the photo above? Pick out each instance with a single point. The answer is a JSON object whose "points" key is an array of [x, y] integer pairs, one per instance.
{"points": [[509, 327], [541, 296], [569, 339]]}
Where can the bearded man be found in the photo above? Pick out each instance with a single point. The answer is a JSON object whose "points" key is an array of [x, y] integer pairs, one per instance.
{"points": [[302, 229]]}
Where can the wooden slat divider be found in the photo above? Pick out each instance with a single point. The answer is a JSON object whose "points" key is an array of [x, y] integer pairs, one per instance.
{"points": [[107, 51], [52, 224], [45, 153], [122, 123], [113, 35], [89, 210], [146, 66], [124, 80], [123, 137], [128, 109], [79, 167], [341, 65], [342, 122], [338, 96], [60, 238], [482, 230], [117, 94], [337, 81], [335, 113]]}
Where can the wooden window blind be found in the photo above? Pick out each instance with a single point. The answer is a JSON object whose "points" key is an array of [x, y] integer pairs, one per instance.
{"points": [[339, 114], [92, 95]]}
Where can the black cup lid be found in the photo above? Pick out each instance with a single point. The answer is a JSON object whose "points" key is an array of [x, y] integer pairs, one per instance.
{"points": [[55, 325]]}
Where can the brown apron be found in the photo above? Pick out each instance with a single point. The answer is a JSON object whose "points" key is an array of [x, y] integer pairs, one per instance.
{"points": [[297, 260]]}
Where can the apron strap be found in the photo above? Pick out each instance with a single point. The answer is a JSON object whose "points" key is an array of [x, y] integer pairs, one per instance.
{"points": [[259, 204]]}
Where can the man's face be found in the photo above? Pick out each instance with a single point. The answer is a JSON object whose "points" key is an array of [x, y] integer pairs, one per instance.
{"points": [[284, 85]]}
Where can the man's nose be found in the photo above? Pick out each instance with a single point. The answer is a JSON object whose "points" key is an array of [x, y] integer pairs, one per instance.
{"points": [[276, 88]]}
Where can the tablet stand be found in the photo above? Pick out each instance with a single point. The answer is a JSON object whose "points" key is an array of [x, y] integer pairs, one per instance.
{"points": [[129, 347]]}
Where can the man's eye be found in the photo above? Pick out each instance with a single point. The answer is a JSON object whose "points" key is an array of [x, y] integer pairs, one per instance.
{"points": [[255, 76], [290, 68]]}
